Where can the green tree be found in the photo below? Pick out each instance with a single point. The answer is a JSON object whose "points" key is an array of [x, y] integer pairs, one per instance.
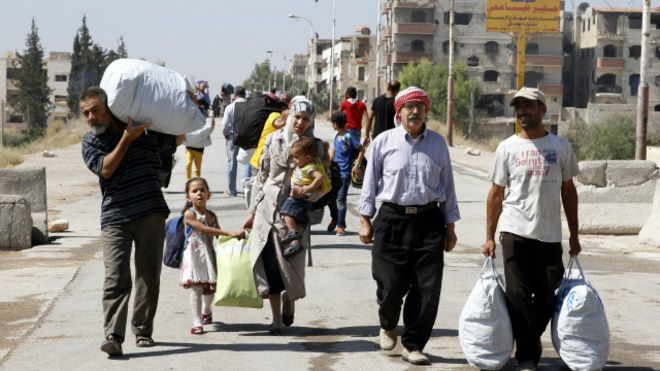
{"points": [[31, 79], [433, 78], [122, 52], [260, 78]]}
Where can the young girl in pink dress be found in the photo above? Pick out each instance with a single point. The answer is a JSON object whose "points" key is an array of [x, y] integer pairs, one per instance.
{"points": [[198, 265]]}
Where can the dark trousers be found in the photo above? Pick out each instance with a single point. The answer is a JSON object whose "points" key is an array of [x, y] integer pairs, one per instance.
{"points": [[407, 259], [533, 271], [148, 234]]}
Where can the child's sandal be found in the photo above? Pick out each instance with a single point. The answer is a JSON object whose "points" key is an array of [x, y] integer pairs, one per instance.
{"points": [[197, 330], [207, 319]]}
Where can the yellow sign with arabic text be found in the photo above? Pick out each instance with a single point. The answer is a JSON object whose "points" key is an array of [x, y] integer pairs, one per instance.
{"points": [[528, 16]]}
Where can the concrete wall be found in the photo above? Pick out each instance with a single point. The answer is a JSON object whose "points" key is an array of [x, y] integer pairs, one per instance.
{"points": [[615, 197], [31, 184], [15, 223]]}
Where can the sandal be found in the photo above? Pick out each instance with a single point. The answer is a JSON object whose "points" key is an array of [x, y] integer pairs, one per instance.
{"points": [[275, 331], [197, 330], [207, 319], [144, 342], [112, 346]]}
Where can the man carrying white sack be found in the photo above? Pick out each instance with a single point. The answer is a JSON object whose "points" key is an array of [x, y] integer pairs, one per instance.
{"points": [[133, 210], [536, 168]]}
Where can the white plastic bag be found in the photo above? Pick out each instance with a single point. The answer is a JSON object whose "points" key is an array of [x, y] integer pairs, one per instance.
{"points": [[149, 93], [484, 327], [245, 155], [580, 333]]}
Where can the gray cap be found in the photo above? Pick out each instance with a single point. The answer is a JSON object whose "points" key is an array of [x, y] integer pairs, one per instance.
{"points": [[528, 93]]}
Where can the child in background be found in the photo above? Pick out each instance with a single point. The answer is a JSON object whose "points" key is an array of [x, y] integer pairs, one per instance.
{"points": [[345, 148], [195, 143], [198, 264], [309, 174]]}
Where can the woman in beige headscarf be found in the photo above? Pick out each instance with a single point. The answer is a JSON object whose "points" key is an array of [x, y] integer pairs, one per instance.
{"points": [[273, 272]]}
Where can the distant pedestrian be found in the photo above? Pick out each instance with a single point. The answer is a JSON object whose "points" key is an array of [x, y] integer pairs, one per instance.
{"points": [[410, 172], [344, 152], [133, 212], [355, 110], [382, 113], [228, 121], [198, 266], [532, 171], [195, 143]]}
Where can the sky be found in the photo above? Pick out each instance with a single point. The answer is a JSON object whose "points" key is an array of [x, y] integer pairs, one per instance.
{"points": [[219, 41]]}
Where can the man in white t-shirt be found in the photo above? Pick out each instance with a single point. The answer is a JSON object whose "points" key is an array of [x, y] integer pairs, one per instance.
{"points": [[530, 172]]}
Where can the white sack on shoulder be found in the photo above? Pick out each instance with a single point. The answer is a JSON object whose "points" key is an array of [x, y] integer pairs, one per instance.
{"points": [[149, 93], [484, 327]]}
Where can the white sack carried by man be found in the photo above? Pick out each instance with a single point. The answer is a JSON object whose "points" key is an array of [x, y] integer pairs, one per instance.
{"points": [[580, 333], [484, 327], [149, 93]]}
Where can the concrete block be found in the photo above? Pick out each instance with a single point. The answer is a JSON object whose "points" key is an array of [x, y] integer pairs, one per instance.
{"points": [[613, 218], [31, 184], [635, 194], [650, 233], [624, 173], [15, 223], [592, 173]]}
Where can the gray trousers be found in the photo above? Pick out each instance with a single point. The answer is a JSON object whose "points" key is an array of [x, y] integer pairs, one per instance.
{"points": [[148, 234]]}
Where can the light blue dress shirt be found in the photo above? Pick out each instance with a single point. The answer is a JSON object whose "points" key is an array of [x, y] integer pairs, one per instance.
{"points": [[407, 171]]}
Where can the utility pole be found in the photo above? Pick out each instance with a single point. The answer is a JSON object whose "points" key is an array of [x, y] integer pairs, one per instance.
{"points": [[450, 79], [643, 88], [332, 58], [2, 124], [378, 51]]}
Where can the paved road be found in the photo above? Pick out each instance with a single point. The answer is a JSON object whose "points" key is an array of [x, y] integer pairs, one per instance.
{"points": [[52, 319]]}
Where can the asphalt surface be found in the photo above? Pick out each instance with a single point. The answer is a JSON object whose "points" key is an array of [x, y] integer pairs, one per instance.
{"points": [[51, 318]]}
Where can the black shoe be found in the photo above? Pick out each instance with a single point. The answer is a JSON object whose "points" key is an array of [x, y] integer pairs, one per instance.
{"points": [[332, 225], [287, 319], [290, 236], [112, 346], [294, 248]]}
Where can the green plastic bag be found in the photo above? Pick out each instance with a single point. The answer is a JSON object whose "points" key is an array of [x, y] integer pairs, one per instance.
{"points": [[235, 286]]}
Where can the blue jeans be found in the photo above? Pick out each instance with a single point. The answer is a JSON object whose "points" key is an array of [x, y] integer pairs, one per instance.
{"points": [[232, 163], [355, 134], [341, 200]]}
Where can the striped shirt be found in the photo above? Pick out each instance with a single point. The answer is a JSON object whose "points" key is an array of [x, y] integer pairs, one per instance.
{"points": [[409, 172], [133, 191]]}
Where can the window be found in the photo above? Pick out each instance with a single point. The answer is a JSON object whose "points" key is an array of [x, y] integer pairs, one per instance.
{"points": [[12, 73], [583, 26], [657, 81], [361, 73], [532, 49], [657, 52], [635, 51], [635, 21], [417, 46], [60, 100], [418, 16], [61, 78], [459, 18], [491, 47], [607, 79], [532, 79], [491, 75], [473, 61], [657, 108], [445, 46], [319, 71], [634, 84], [609, 51]]}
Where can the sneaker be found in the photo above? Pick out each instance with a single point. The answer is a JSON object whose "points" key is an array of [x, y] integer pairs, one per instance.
{"points": [[112, 346], [290, 236], [332, 225], [387, 339], [415, 357], [341, 231], [526, 366], [294, 248]]}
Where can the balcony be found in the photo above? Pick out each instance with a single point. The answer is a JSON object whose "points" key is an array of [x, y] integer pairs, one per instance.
{"points": [[410, 57], [428, 4], [610, 63], [611, 36], [539, 60], [387, 32], [551, 90], [414, 28]]}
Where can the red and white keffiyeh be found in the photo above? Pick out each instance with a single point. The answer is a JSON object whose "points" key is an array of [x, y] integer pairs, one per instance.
{"points": [[411, 94]]}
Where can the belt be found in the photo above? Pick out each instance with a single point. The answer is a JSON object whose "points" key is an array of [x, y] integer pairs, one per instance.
{"points": [[413, 209]]}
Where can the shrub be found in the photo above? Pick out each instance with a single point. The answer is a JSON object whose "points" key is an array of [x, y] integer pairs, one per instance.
{"points": [[611, 140]]}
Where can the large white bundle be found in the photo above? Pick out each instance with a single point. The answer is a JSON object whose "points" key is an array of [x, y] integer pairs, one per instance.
{"points": [[580, 333], [484, 327], [150, 93]]}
